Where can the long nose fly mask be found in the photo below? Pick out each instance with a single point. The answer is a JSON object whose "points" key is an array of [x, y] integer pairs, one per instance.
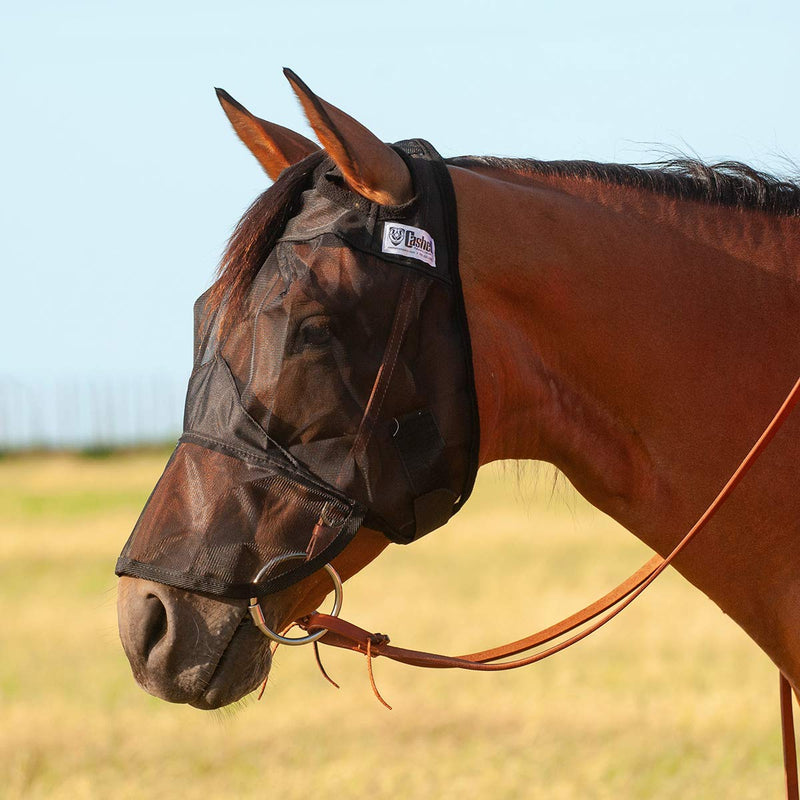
{"points": [[341, 394]]}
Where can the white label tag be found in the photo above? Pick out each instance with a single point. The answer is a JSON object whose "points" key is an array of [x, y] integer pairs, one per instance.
{"points": [[406, 240]]}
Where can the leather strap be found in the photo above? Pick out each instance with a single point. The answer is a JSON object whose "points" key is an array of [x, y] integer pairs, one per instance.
{"points": [[344, 634], [403, 316], [789, 746], [323, 532], [340, 633]]}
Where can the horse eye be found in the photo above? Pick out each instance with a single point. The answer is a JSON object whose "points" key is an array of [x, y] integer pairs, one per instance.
{"points": [[314, 332]]}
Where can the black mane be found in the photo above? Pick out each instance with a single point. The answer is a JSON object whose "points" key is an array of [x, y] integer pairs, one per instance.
{"points": [[729, 183]]}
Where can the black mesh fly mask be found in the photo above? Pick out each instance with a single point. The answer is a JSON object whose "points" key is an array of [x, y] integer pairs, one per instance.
{"points": [[341, 396]]}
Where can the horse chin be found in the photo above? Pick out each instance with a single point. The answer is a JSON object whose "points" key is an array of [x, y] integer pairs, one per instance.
{"points": [[244, 664]]}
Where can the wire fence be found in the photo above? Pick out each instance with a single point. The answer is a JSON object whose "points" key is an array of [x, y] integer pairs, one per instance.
{"points": [[87, 414]]}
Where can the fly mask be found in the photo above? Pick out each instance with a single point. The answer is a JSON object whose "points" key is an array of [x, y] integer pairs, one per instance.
{"points": [[341, 395]]}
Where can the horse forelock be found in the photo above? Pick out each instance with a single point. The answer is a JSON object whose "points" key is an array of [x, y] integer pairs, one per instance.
{"points": [[255, 235]]}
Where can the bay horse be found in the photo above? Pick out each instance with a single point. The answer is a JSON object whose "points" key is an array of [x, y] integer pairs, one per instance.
{"points": [[635, 327]]}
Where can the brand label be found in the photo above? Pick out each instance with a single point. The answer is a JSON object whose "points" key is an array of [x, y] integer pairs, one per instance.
{"points": [[406, 240]]}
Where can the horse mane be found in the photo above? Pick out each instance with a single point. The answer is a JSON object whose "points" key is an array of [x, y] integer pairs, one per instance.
{"points": [[728, 183], [255, 235]]}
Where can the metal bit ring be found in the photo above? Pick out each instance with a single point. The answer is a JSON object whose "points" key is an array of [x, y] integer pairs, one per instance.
{"points": [[258, 615]]}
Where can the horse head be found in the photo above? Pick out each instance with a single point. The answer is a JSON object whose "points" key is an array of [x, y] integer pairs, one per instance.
{"points": [[331, 407]]}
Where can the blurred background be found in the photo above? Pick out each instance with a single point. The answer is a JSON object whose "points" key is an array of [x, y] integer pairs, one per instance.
{"points": [[122, 181]]}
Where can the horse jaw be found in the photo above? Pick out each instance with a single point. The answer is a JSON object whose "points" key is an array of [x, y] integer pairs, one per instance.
{"points": [[203, 650]]}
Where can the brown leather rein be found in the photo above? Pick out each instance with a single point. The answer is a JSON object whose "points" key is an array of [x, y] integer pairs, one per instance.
{"points": [[340, 633]]}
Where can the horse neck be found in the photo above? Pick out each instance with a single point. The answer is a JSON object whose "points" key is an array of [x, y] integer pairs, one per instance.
{"points": [[641, 343]]}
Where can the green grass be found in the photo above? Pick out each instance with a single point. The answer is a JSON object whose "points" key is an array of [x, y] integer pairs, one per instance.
{"points": [[671, 701]]}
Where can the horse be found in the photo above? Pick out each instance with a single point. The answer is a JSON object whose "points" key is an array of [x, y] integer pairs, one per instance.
{"points": [[636, 327]]}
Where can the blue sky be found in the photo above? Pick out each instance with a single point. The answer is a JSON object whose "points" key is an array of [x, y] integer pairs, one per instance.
{"points": [[122, 179]]}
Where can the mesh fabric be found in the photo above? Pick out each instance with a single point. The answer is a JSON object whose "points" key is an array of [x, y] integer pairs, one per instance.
{"points": [[341, 395]]}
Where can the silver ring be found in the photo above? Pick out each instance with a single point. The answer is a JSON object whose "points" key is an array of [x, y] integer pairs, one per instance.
{"points": [[326, 520], [258, 615]]}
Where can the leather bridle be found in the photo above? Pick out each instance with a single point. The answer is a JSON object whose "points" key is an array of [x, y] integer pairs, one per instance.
{"points": [[337, 632]]}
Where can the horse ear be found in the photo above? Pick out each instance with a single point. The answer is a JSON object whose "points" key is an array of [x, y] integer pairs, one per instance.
{"points": [[274, 146], [369, 166]]}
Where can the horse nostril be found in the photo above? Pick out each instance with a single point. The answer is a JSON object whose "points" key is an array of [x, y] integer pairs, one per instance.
{"points": [[154, 624]]}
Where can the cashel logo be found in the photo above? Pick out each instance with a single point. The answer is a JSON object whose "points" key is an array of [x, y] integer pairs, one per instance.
{"points": [[406, 240]]}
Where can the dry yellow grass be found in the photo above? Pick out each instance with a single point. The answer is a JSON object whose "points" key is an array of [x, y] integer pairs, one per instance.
{"points": [[672, 701]]}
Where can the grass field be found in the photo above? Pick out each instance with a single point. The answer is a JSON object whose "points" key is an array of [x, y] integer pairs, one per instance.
{"points": [[671, 701]]}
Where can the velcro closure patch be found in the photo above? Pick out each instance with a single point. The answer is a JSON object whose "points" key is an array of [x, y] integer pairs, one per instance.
{"points": [[406, 240]]}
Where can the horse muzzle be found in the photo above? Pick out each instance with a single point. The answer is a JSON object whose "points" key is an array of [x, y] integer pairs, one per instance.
{"points": [[186, 647]]}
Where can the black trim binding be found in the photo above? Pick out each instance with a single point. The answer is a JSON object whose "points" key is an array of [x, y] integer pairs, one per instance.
{"points": [[451, 216], [202, 583], [447, 194]]}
